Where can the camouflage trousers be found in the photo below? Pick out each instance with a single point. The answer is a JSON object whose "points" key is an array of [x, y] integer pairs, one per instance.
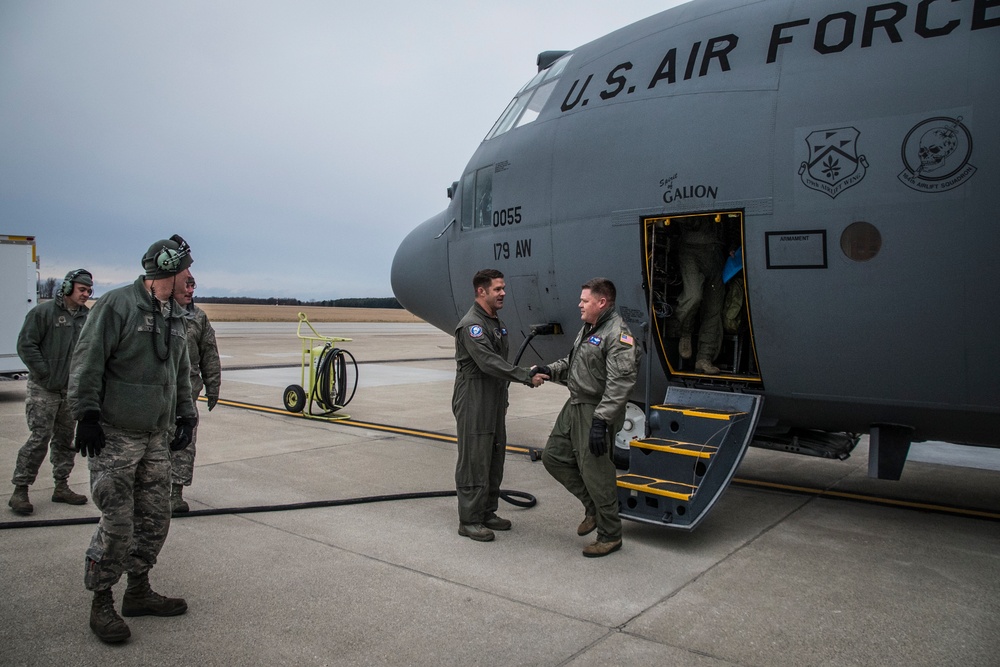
{"points": [[182, 461], [130, 483], [52, 428]]}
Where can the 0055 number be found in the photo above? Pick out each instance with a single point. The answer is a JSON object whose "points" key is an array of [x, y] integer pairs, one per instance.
{"points": [[507, 216]]}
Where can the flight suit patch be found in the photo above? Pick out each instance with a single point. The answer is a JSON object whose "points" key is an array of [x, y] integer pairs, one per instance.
{"points": [[476, 331], [625, 338], [594, 340]]}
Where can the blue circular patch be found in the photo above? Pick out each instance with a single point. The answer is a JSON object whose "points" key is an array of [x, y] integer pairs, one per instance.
{"points": [[476, 331]]}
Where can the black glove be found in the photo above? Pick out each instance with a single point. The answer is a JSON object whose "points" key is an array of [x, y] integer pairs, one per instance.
{"points": [[598, 429], [184, 433], [89, 434], [212, 400], [544, 370]]}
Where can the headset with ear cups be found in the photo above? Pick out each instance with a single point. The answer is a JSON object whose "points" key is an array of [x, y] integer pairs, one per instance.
{"points": [[168, 259], [67, 284]]}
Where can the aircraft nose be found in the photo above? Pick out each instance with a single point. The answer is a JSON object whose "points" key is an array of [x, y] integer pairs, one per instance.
{"points": [[420, 277]]}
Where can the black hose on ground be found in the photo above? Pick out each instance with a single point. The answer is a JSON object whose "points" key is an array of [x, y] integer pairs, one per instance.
{"points": [[516, 498]]}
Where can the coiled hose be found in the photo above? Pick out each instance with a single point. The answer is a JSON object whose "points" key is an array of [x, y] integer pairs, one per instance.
{"points": [[329, 391]]}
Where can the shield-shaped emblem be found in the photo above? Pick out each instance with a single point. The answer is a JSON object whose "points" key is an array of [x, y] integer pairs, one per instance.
{"points": [[833, 164]]}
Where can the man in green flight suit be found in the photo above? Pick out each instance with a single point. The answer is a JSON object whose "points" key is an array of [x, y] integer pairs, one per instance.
{"points": [[600, 372], [480, 406]]}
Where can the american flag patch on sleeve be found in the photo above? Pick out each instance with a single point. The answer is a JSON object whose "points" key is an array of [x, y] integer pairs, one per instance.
{"points": [[628, 340]]}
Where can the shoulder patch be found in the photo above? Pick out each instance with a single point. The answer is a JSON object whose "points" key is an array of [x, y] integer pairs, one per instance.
{"points": [[476, 331], [595, 340], [625, 338]]}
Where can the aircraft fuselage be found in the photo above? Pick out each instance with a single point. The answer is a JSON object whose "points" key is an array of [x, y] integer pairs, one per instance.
{"points": [[851, 151]]}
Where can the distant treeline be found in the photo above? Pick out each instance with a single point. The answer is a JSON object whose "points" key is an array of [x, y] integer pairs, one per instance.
{"points": [[369, 302]]}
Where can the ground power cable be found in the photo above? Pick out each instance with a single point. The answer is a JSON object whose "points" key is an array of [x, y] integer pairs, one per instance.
{"points": [[520, 499]]}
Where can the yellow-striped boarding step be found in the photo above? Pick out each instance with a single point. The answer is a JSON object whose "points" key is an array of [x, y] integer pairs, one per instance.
{"points": [[704, 413], [676, 447], [659, 487]]}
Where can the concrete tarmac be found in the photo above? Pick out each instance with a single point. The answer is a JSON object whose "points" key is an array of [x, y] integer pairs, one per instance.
{"points": [[774, 576]]}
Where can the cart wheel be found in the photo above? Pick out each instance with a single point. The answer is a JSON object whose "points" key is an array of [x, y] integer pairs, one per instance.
{"points": [[294, 398]]}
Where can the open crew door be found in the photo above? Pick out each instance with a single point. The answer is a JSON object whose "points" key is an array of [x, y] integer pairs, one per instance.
{"points": [[714, 312], [697, 438]]}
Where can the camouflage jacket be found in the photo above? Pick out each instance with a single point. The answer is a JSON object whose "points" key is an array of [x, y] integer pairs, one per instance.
{"points": [[46, 342], [206, 367], [602, 368], [125, 367]]}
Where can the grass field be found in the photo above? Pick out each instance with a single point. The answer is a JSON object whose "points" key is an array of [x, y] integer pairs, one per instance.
{"points": [[232, 312]]}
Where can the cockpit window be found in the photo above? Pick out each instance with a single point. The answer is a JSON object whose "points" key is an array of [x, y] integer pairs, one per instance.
{"points": [[477, 198], [557, 68], [484, 196], [530, 100], [535, 104], [534, 81]]}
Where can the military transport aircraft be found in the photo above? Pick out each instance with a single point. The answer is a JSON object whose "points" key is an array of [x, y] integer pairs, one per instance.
{"points": [[849, 151]]}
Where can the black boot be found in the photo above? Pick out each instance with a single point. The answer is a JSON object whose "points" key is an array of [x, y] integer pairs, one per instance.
{"points": [[141, 600], [105, 621]]}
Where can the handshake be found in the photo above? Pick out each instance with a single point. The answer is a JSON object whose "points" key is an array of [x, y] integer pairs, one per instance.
{"points": [[539, 374]]}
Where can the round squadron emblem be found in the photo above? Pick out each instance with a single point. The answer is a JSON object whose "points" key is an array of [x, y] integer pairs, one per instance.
{"points": [[936, 155]]}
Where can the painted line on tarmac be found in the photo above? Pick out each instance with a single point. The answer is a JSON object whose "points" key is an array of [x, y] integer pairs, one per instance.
{"points": [[535, 452], [969, 512], [345, 420]]}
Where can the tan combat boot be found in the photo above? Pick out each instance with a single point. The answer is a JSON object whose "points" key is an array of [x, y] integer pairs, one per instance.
{"points": [[177, 503], [105, 621], [141, 600], [19, 501], [63, 494], [601, 548], [587, 526]]}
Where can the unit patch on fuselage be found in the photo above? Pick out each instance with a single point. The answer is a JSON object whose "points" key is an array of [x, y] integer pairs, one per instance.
{"points": [[936, 155], [833, 163]]}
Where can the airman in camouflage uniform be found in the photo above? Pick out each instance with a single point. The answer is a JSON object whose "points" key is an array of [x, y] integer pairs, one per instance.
{"points": [[130, 390], [480, 406], [45, 345], [206, 373], [600, 372]]}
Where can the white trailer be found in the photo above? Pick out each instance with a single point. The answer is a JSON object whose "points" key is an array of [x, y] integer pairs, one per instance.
{"points": [[18, 295]]}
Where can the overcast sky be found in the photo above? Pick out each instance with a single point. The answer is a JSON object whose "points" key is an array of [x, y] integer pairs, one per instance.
{"points": [[293, 144]]}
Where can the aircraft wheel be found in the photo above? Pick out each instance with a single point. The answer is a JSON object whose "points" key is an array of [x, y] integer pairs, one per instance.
{"points": [[294, 398]]}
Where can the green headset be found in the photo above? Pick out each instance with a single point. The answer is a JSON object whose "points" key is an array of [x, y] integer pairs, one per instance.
{"points": [[67, 284], [168, 259]]}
